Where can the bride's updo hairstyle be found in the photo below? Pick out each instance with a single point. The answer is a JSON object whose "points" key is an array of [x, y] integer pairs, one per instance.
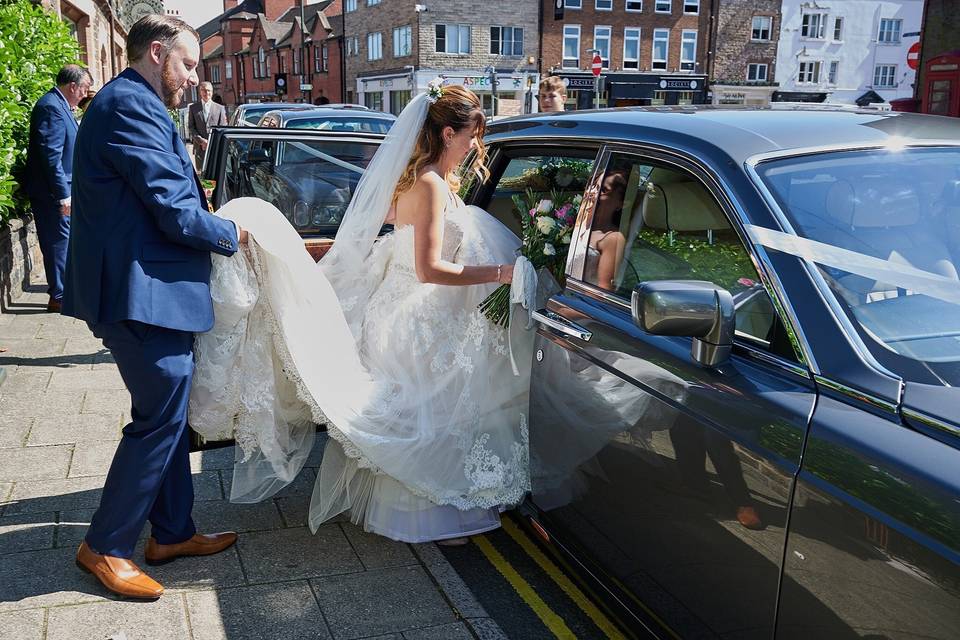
{"points": [[456, 108]]}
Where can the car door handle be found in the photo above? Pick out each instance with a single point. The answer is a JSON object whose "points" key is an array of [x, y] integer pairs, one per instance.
{"points": [[561, 324]]}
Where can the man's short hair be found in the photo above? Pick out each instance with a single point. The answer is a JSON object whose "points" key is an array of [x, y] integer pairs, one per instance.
{"points": [[553, 83], [73, 73], [155, 28], [208, 85]]}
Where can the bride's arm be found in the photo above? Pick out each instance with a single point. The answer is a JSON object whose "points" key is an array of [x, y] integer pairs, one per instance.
{"points": [[427, 200]]}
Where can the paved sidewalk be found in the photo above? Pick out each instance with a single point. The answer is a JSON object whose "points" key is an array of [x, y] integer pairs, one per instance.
{"points": [[62, 406]]}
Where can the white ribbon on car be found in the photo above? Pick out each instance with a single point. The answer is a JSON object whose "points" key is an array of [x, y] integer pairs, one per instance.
{"points": [[523, 292], [898, 274], [325, 156]]}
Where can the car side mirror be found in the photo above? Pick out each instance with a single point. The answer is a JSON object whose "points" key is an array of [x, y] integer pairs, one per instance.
{"points": [[258, 155], [692, 308]]}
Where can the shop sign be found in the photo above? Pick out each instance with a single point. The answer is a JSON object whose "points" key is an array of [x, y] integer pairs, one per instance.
{"points": [[679, 84]]}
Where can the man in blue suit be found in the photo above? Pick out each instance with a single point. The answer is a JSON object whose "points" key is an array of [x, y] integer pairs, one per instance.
{"points": [[138, 272], [49, 170]]}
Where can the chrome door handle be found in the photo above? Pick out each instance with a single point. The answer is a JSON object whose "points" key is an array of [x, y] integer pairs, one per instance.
{"points": [[561, 324]]}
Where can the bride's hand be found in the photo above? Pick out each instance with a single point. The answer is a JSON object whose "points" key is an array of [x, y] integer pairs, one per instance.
{"points": [[505, 273]]}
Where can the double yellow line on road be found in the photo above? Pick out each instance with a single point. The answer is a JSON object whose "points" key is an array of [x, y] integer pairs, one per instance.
{"points": [[550, 619]]}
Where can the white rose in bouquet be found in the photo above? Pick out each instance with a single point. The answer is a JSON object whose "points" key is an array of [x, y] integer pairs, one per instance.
{"points": [[546, 225], [565, 239], [548, 250], [545, 206]]}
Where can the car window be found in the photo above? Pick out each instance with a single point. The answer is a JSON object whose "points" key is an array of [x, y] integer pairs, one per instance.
{"points": [[358, 125], [310, 181], [887, 227], [525, 180], [655, 221]]}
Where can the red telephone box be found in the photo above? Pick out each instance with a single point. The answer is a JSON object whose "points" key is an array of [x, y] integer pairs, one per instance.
{"points": [[941, 85]]}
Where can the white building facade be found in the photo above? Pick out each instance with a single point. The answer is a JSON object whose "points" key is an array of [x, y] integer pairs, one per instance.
{"points": [[847, 51]]}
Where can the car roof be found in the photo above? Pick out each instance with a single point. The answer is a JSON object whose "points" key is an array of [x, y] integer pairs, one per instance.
{"points": [[328, 113], [736, 132]]}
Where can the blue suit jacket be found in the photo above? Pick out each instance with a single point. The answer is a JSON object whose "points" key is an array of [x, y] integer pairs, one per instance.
{"points": [[141, 235], [49, 167]]}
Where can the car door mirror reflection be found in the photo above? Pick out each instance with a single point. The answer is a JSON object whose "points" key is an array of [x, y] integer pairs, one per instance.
{"points": [[691, 308]]}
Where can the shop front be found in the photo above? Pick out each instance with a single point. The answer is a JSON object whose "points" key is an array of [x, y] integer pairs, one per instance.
{"points": [[515, 92], [738, 94], [634, 89]]}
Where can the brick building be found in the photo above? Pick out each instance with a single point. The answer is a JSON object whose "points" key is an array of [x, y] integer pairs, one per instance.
{"points": [[244, 48], [101, 32], [394, 48], [743, 63], [652, 51]]}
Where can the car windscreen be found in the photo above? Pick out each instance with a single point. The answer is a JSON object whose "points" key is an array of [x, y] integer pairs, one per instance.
{"points": [[883, 227], [359, 125], [310, 181], [253, 116]]}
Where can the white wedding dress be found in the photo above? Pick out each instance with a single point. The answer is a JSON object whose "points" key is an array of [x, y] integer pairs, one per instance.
{"points": [[425, 416]]}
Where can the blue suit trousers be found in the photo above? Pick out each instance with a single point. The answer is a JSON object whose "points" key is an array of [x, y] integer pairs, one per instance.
{"points": [[149, 478], [53, 232]]}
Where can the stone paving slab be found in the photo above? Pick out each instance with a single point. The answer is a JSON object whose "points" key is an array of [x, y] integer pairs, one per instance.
{"points": [[189, 574], [26, 381], [382, 601], [164, 619], [226, 516], [81, 427], [377, 552], [293, 554], [54, 405], [35, 463], [453, 631], [212, 459], [286, 610], [27, 532], [109, 401], [92, 458], [39, 352], [44, 579], [82, 380], [13, 431], [72, 527], [22, 625], [64, 330]]}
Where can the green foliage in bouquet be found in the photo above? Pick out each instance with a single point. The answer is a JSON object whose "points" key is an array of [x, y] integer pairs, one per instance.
{"points": [[34, 45]]}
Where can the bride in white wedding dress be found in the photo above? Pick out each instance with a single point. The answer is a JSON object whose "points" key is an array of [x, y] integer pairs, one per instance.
{"points": [[382, 340]]}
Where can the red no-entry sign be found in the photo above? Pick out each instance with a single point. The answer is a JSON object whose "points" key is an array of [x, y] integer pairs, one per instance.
{"points": [[913, 55], [597, 64]]}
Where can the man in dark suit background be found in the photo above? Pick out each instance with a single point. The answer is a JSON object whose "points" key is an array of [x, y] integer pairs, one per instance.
{"points": [[204, 114], [49, 171], [138, 272]]}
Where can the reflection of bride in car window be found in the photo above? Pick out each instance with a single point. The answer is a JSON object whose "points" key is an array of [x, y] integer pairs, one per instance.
{"points": [[605, 248]]}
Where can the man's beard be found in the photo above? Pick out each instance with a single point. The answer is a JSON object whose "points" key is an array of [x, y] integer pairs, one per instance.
{"points": [[171, 92]]}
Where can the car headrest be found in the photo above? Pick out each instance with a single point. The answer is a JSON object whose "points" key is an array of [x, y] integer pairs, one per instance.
{"points": [[682, 206], [873, 202]]}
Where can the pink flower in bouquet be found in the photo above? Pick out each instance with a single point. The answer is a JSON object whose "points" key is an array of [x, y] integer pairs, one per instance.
{"points": [[533, 213], [563, 213]]}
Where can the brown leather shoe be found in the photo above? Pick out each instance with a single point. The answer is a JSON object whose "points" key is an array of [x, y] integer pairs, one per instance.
{"points": [[198, 545], [118, 574], [53, 306]]}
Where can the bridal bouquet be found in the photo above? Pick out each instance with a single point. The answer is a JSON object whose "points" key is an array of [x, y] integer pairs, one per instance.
{"points": [[547, 226]]}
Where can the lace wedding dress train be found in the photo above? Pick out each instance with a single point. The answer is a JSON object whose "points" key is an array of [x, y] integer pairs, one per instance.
{"points": [[425, 415]]}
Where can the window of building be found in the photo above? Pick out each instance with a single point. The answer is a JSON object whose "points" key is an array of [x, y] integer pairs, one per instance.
{"points": [[832, 73], [573, 4], [215, 74], [374, 46], [756, 72], [402, 41], [373, 100], [370, 3], [228, 68], [281, 63], [685, 97], [398, 100], [661, 42], [663, 6], [571, 46], [601, 42], [296, 60], [890, 31], [760, 28], [506, 41], [659, 98], [266, 71], [812, 25], [324, 58], [631, 48], [688, 50], [838, 29], [453, 38], [316, 58], [691, 7], [603, 5], [634, 6], [885, 75], [353, 45], [261, 58], [350, 5], [809, 72]]}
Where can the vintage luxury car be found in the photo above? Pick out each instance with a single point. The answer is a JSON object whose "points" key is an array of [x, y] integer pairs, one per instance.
{"points": [[248, 115], [343, 119], [745, 422]]}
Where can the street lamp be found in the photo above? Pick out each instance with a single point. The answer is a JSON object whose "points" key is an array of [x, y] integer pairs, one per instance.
{"points": [[493, 89]]}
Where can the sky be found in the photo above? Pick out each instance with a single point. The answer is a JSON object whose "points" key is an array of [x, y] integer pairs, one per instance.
{"points": [[196, 12]]}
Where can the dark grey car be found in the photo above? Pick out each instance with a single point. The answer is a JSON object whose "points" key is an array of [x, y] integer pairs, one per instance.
{"points": [[745, 417]]}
